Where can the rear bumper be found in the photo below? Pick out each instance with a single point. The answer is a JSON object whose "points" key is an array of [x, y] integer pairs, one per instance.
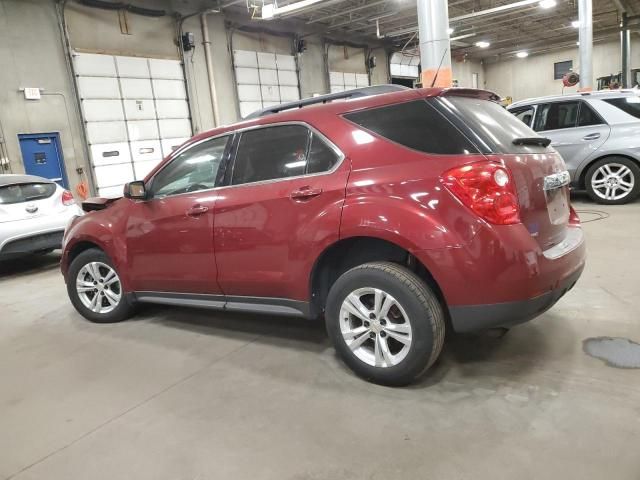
{"points": [[32, 243], [469, 318]]}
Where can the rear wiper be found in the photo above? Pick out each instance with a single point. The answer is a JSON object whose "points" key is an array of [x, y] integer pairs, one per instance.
{"points": [[537, 141]]}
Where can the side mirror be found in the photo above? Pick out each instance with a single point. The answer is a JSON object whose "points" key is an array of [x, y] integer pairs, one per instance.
{"points": [[135, 190]]}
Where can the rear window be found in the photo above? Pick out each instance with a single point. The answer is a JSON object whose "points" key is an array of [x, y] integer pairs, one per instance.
{"points": [[491, 125], [25, 192], [417, 125], [630, 105]]}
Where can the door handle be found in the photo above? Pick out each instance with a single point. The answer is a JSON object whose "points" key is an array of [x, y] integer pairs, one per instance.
{"points": [[197, 210], [591, 136], [304, 193]]}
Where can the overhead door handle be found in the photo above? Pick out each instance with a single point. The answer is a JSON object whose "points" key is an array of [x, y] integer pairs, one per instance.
{"points": [[304, 193], [197, 210], [591, 136]]}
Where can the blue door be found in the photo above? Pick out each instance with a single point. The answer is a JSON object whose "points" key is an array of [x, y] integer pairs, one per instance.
{"points": [[42, 156]]}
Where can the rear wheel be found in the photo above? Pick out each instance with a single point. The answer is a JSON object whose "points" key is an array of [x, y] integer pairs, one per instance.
{"points": [[613, 181], [386, 324], [95, 288]]}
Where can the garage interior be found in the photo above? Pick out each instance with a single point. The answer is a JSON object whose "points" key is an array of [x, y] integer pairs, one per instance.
{"points": [[181, 393]]}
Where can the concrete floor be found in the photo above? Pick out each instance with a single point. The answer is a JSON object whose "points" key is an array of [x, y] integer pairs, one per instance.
{"points": [[186, 394]]}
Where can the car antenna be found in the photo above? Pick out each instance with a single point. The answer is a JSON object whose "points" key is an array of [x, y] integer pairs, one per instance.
{"points": [[435, 77]]}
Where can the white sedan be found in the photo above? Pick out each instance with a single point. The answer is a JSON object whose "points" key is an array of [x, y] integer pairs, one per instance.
{"points": [[34, 212]]}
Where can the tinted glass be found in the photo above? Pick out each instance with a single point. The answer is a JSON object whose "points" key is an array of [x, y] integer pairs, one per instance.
{"points": [[26, 192], [416, 125], [588, 116], [631, 105], [322, 158], [270, 153], [525, 115], [193, 170], [555, 116], [560, 69], [492, 125]]}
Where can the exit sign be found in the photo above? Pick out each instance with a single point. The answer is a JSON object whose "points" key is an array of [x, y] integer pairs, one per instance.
{"points": [[32, 93]]}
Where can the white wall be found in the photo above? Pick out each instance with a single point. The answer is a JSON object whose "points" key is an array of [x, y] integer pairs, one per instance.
{"points": [[533, 76], [463, 72]]}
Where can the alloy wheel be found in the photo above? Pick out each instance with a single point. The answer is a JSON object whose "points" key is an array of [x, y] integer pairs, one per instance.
{"points": [[98, 287], [375, 327], [613, 181]]}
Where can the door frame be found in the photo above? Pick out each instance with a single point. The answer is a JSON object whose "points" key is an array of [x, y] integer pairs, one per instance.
{"points": [[55, 136]]}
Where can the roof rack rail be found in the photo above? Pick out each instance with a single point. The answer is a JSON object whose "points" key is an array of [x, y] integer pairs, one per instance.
{"points": [[355, 93]]}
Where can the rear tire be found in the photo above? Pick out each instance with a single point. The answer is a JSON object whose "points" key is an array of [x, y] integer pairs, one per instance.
{"points": [[396, 331], [95, 288], [613, 181]]}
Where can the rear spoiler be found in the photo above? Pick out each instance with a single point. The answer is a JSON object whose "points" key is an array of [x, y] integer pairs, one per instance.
{"points": [[97, 203], [470, 93]]}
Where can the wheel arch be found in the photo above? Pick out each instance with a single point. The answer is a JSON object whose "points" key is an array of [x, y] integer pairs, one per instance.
{"points": [[350, 252]]}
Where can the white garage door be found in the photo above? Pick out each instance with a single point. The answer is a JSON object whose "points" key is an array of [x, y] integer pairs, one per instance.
{"points": [[264, 80], [402, 65], [341, 81], [135, 111]]}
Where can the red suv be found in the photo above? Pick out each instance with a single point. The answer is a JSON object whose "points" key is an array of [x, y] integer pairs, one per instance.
{"points": [[393, 216]]}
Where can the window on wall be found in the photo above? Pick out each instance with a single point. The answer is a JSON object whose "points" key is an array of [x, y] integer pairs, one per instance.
{"points": [[560, 69], [341, 81], [264, 80]]}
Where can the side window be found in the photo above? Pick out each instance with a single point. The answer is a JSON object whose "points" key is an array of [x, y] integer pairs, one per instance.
{"points": [[193, 170], [322, 158], [588, 116], [271, 152], [630, 105], [525, 115], [415, 125], [555, 116]]}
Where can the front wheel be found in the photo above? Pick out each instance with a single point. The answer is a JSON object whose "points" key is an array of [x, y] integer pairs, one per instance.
{"points": [[95, 288], [386, 324], [613, 181]]}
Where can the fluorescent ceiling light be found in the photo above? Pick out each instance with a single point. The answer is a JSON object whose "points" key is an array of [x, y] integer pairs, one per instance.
{"points": [[272, 10], [522, 54], [482, 44], [267, 11], [547, 3], [578, 43], [575, 24], [449, 30]]}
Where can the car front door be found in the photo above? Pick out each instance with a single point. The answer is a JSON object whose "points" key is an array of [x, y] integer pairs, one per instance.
{"points": [[575, 129], [170, 236], [282, 207]]}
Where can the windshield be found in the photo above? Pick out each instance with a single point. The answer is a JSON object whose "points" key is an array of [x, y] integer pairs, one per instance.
{"points": [[25, 192]]}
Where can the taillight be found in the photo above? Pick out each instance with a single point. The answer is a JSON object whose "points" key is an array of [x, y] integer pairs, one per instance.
{"points": [[67, 198], [486, 188]]}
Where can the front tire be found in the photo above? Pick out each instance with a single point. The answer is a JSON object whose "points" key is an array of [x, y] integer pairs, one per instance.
{"points": [[95, 288], [386, 324], [613, 181]]}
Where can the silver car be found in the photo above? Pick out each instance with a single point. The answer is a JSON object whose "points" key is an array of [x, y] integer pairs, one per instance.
{"points": [[34, 212], [597, 134]]}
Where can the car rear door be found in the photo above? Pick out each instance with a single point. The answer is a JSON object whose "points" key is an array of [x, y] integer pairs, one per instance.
{"points": [[170, 236], [575, 129], [282, 207]]}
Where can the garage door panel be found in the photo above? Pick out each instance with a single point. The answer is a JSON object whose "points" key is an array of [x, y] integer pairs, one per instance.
{"points": [[141, 169], [245, 58], [167, 69], [171, 144], [362, 80], [337, 89], [111, 192], [268, 77], [136, 88], [143, 130], [98, 88], [139, 109], [247, 108], [106, 132], [249, 93], [172, 109], [286, 62], [350, 80], [245, 75], [169, 89], [89, 64], [336, 78], [132, 67], [111, 175], [289, 94], [270, 93], [102, 110], [110, 153], [174, 128], [267, 60], [287, 78], [146, 150]]}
